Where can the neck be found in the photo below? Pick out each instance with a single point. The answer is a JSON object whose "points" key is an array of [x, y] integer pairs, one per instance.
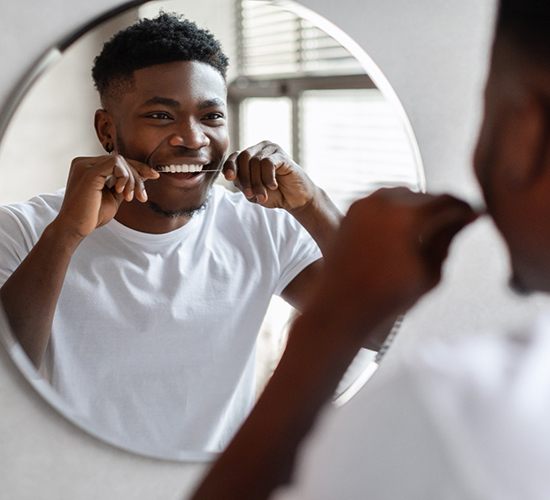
{"points": [[144, 218]]}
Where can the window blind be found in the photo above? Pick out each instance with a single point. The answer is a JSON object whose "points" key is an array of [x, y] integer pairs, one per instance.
{"points": [[276, 42], [353, 143], [339, 126]]}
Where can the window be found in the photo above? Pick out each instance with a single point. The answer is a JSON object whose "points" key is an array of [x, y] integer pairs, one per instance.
{"points": [[300, 88]]}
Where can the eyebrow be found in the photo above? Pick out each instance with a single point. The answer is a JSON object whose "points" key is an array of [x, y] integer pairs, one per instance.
{"points": [[172, 103], [211, 103], [166, 101]]}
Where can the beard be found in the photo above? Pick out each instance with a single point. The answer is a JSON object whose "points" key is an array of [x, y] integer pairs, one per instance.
{"points": [[182, 212], [181, 207], [517, 286]]}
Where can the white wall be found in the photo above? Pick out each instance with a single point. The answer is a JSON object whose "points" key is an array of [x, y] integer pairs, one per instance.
{"points": [[434, 53]]}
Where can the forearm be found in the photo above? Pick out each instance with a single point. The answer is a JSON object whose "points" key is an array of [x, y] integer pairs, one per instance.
{"points": [[320, 217], [30, 295], [261, 456]]}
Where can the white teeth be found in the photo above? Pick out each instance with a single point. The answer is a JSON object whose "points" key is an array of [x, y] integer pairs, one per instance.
{"points": [[179, 168]]}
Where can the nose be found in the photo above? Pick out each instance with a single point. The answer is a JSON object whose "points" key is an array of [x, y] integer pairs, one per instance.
{"points": [[190, 136]]}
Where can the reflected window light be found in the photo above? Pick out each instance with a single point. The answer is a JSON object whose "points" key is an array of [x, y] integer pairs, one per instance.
{"points": [[352, 143], [263, 119]]}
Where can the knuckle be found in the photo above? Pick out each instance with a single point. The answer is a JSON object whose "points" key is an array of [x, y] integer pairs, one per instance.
{"points": [[358, 205], [270, 145], [447, 197], [78, 164], [379, 193], [244, 155], [121, 171]]}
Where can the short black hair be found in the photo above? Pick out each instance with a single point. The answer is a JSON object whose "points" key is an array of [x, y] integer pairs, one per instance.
{"points": [[166, 38], [526, 23]]}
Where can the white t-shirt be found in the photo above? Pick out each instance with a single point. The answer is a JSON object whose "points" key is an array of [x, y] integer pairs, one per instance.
{"points": [[154, 334], [468, 419]]}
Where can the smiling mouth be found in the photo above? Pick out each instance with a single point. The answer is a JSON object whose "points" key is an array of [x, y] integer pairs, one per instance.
{"points": [[184, 168]]}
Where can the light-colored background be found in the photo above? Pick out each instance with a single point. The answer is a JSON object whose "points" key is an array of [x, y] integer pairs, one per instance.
{"points": [[435, 54]]}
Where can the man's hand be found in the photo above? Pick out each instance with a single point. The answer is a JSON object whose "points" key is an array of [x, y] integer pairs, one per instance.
{"points": [[95, 189], [389, 252], [268, 176]]}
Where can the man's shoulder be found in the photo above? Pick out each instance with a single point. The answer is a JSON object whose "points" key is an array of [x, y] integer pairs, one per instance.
{"points": [[464, 415], [39, 204], [491, 354], [234, 204], [471, 383], [492, 393], [33, 215]]}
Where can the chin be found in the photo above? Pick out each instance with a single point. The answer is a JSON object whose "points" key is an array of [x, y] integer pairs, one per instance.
{"points": [[185, 206], [171, 197], [518, 286], [527, 281]]}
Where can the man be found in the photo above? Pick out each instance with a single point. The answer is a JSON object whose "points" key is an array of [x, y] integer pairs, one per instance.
{"points": [[140, 289], [467, 420]]}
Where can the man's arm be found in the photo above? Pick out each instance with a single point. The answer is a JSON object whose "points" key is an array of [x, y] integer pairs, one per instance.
{"points": [[321, 219], [407, 237], [268, 176], [31, 293]]}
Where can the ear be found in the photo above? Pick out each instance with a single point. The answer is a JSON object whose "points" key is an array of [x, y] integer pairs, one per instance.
{"points": [[523, 141], [105, 129]]}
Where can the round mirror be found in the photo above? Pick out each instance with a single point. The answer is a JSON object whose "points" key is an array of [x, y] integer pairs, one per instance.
{"points": [[293, 79]]}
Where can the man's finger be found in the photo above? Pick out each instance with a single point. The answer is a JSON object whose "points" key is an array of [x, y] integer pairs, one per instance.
{"points": [[434, 241], [268, 170], [243, 171], [229, 168], [139, 186], [121, 172], [258, 187], [144, 170]]}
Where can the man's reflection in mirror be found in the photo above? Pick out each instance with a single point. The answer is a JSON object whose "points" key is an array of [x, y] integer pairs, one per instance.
{"points": [[139, 289]]}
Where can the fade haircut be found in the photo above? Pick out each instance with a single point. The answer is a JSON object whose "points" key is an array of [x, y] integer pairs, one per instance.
{"points": [[526, 24], [164, 39]]}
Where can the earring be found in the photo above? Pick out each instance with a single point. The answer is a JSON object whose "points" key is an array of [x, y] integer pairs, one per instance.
{"points": [[109, 148]]}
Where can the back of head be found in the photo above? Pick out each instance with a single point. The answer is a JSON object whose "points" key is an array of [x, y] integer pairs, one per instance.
{"points": [[526, 25], [164, 39]]}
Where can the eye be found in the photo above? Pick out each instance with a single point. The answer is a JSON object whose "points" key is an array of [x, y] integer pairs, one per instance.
{"points": [[159, 115], [215, 115]]}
